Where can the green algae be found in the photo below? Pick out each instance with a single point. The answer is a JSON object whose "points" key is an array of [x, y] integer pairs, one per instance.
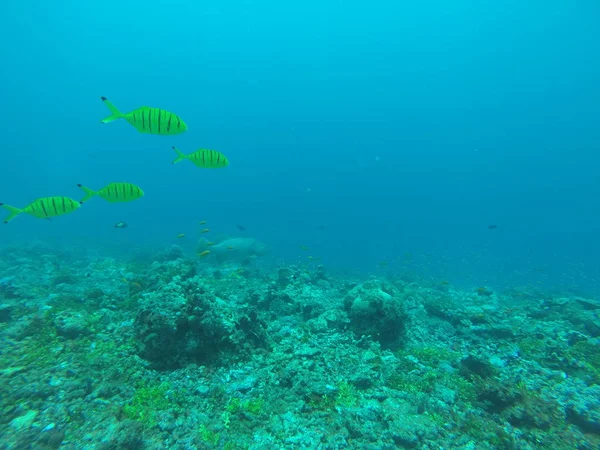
{"points": [[581, 359], [38, 348], [346, 396], [147, 401], [253, 406], [207, 435], [417, 373], [430, 355]]}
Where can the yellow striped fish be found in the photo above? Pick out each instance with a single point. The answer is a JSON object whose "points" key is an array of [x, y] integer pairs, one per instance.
{"points": [[114, 192], [208, 159], [44, 208], [148, 120]]}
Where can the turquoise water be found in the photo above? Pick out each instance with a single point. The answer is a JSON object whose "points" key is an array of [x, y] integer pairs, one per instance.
{"points": [[414, 127], [452, 145]]}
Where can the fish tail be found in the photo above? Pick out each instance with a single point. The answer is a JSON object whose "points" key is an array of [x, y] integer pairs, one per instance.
{"points": [[180, 156], [14, 212], [88, 193], [115, 113]]}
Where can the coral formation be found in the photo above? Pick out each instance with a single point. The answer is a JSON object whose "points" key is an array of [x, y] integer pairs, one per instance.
{"points": [[160, 350]]}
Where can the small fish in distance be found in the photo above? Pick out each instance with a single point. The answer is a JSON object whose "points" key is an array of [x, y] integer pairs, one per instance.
{"points": [[121, 225], [205, 158]]}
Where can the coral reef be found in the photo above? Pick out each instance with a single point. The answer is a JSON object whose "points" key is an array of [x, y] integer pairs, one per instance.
{"points": [[163, 350]]}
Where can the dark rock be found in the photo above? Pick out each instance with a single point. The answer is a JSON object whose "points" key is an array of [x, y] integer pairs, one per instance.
{"points": [[497, 397], [584, 419], [5, 312], [476, 366], [51, 439]]}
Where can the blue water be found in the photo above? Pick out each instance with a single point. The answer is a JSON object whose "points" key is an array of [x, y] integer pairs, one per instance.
{"points": [[399, 127]]}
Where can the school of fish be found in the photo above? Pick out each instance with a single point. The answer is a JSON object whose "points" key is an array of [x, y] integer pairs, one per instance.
{"points": [[145, 120]]}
